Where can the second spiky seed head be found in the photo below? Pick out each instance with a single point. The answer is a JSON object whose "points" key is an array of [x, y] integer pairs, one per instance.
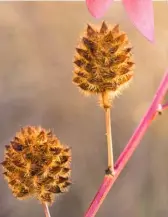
{"points": [[37, 164]]}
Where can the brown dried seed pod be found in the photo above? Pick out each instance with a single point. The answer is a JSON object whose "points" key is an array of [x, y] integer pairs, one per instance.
{"points": [[102, 58], [36, 164]]}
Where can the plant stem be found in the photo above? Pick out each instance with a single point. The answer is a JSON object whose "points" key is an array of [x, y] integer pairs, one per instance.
{"points": [[46, 210], [106, 104], [129, 149], [109, 141]]}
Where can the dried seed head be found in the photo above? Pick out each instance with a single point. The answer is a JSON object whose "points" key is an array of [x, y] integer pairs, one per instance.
{"points": [[103, 61], [37, 164]]}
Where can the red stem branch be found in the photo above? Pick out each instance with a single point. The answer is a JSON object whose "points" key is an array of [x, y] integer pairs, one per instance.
{"points": [[129, 149]]}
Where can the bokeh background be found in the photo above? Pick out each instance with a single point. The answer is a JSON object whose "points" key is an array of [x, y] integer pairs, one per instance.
{"points": [[37, 44]]}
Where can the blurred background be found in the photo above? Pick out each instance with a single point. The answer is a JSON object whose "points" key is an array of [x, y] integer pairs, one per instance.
{"points": [[37, 44]]}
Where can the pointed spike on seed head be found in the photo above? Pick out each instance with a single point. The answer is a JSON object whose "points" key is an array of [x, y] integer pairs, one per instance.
{"points": [[128, 50], [12, 182], [5, 174], [82, 53], [65, 159], [66, 170], [41, 135], [58, 190], [79, 51], [49, 133], [85, 87], [124, 70], [16, 139], [104, 27], [124, 79], [22, 130], [116, 29], [68, 149], [8, 154], [82, 74], [130, 64], [121, 38], [90, 31], [63, 179], [86, 41], [79, 63], [56, 150], [121, 58], [29, 129], [77, 80], [17, 147], [114, 49], [89, 44], [55, 190], [7, 147], [109, 37], [67, 184], [55, 169], [4, 163]]}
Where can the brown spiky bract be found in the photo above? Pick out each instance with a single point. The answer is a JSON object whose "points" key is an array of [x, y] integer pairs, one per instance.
{"points": [[37, 164], [103, 62]]}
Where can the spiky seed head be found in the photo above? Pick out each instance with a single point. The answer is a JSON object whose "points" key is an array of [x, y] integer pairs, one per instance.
{"points": [[103, 62], [37, 164]]}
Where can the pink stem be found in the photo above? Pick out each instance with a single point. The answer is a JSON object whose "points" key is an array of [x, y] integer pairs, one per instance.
{"points": [[129, 149]]}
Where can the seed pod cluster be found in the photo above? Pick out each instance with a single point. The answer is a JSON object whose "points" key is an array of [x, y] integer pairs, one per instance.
{"points": [[37, 164], [103, 61]]}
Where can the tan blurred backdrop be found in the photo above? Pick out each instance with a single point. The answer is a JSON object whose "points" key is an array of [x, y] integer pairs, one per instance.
{"points": [[37, 43]]}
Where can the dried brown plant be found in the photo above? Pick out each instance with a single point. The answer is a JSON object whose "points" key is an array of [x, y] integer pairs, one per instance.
{"points": [[37, 164]]}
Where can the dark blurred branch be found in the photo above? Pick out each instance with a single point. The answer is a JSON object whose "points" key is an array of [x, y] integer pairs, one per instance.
{"points": [[130, 147]]}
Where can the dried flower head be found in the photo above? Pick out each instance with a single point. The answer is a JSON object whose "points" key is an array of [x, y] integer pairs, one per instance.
{"points": [[103, 62], [37, 164]]}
